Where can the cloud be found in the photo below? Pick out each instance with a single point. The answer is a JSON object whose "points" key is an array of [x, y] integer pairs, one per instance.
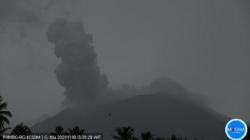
{"points": [[78, 72], [19, 11]]}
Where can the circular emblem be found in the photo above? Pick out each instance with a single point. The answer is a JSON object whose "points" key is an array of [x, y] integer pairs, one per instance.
{"points": [[236, 129]]}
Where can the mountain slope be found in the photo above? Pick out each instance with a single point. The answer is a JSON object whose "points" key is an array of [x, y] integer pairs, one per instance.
{"points": [[162, 114]]}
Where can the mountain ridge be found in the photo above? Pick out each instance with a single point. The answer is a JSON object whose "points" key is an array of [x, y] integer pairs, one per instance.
{"points": [[160, 113]]}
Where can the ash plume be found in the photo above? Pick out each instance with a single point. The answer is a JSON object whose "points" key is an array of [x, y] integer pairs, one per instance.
{"points": [[78, 72]]}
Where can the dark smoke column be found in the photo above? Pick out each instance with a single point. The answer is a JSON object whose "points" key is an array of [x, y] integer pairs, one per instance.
{"points": [[78, 72]]}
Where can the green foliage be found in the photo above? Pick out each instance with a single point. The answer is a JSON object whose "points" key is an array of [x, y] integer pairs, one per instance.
{"points": [[21, 129], [76, 131], [147, 136], [4, 116], [59, 130], [125, 133]]}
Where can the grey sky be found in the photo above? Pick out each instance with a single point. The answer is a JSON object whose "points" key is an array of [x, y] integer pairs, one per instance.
{"points": [[204, 45]]}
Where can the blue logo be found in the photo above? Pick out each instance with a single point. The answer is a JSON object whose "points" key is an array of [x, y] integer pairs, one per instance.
{"points": [[236, 129]]}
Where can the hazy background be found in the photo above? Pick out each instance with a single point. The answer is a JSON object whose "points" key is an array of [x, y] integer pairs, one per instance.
{"points": [[204, 45]]}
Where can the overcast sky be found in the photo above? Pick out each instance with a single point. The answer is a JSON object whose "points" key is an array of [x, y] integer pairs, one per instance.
{"points": [[202, 44]]}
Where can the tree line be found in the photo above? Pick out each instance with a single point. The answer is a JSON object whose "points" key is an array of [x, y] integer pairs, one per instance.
{"points": [[121, 133]]}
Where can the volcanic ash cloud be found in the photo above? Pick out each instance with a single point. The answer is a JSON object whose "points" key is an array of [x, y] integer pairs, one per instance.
{"points": [[78, 72]]}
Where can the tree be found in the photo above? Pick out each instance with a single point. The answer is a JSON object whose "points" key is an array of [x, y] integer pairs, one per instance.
{"points": [[4, 116], [173, 137], [158, 138], [76, 131], [147, 136], [59, 130], [125, 133], [21, 129]]}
